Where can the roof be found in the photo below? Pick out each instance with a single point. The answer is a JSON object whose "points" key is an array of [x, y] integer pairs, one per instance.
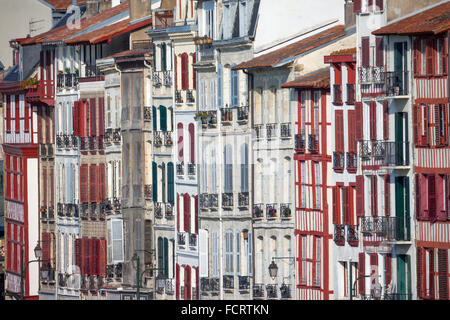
{"points": [[109, 32], [432, 21], [316, 79], [64, 32], [131, 53], [272, 58], [63, 4]]}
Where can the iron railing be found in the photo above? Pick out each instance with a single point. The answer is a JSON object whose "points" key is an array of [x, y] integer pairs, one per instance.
{"points": [[192, 240], [228, 282], [226, 115], [258, 290], [339, 234], [259, 131], [352, 235], [285, 291], [191, 169], [313, 143], [242, 113], [271, 130], [204, 201], [258, 210], [352, 161], [190, 96], [338, 160], [389, 228], [393, 153], [300, 142], [271, 291], [351, 94], [213, 201], [181, 238], [271, 211], [180, 168], [285, 210], [244, 283], [397, 83], [285, 130], [227, 200], [243, 199]]}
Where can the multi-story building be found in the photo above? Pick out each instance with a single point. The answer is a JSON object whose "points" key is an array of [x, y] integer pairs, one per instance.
{"points": [[417, 86]]}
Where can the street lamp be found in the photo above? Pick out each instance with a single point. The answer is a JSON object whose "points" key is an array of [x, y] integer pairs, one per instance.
{"points": [[135, 260], [376, 288], [273, 270], [38, 254]]}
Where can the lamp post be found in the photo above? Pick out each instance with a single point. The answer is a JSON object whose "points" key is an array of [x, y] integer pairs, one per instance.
{"points": [[376, 287], [136, 263], [273, 268], [23, 268]]}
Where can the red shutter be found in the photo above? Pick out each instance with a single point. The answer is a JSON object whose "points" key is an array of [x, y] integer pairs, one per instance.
{"points": [[46, 247], [374, 196], [361, 267], [358, 121], [373, 265], [385, 120], [420, 277], [335, 206], [416, 57], [357, 6], [180, 142], [444, 57], [184, 72], [339, 131], [92, 120], [93, 183], [351, 131], [194, 74], [101, 116], [196, 214], [192, 142], [416, 126], [44, 186], [379, 59], [101, 182], [365, 51], [84, 184], [83, 118], [178, 211], [360, 196], [379, 4], [430, 56], [387, 269], [443, 273], [41, 65], [87, 257], [175, 70], [387, 195], [177, 282], [346, 205], [441, 213], [437, 125], [27, 108], [423, 182], [431, 197], [8, 114], [187, 212], [431, 272], [52, 187], [418, 195], [78, 253], [76, 118], [102, 257], [447, 195], [426, 124], [197, 281]]}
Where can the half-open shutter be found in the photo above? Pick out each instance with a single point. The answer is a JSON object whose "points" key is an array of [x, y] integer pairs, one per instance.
{"points": [[365, 51], [102, 257], [197, 283], [93, 183], [361, 267], [187, 212], [101, 116], [379, 47], [347, 191], [155, 118], [184, 72], [358, 121], [430, 56], [166, 257], [387, 269], [416, 131], [385, 120], [170, 183], [374, 197], [437, 125], [93, 120], [76, 118], [430, 253], [444, 57], [160, 255], [387, 195], [432, 197], [178, 212], [85, 256], [78, 253], [191, 143], [360, 196], [177, 282], [196, 214], [424, 210], [373, 120], [162, 118]]}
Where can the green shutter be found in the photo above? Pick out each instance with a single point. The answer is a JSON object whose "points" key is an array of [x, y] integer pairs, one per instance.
{"points": [[163, 57], [407, 215], [155, 183], [400, 207], [155, 128], [170, 182], [160, 254], [166, 258], [162, 118]]}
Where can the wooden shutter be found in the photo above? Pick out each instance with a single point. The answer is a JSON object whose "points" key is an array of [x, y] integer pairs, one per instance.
{"points": [[437, 125], [180, 142], [351, 131], [387, 195], [441, 213], [184, 72], [188, 282], [8, 116], [444, 57], [430, 56], [385, 120], [46, 247], [192, 142], [361, 266], [162, 118], [373, 120], [154, 181], [358, 121], [178, 211], [196, 214], [197, 281], [166, 257], [155, 119], [187, 212], [346, 197], [379, 59], [101, 116], [430, 252], [92, 112], [417, 56], [335, 205], [360, 196], [423, 182], [84, 256], [431, 196], [76, 118], [160, 254], [44, 185], [357, 6], [84, 184], [194, 73], [101, 182], [447, 195], [93, 183], [78, 253], [374, 196], [379, 4], [416, 125], [420, 275], [102, 257], [82, 118], [365, 51], [163, 57], [171, 183], [443, 273], [387, 269], [339, 131], [177, 282]]}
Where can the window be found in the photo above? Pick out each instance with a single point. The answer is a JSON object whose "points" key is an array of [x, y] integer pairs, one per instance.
{"points": [[220, 86], [208, 10], [238, 252], [303, 184], [215, 255], [244, 167], [163, 57], [229, 252], [117, 250], [202, 94], [192, 143], [213, 171], [228, 156], [318, 254], [184, 71], [303, 257], [212, 94], [234, 88]]}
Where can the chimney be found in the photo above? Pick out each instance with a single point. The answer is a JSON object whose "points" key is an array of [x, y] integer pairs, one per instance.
{"points": [[350, 16], [97, 6], [140, 9]]}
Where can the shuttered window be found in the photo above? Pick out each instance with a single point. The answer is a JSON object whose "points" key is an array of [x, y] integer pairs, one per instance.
{"points": [[155, 119], [101, 116], [420, 274], [362, 266], [431, 196], [234, 88], [192, 142], [379, 52], [385, 120], [196, 213], [177, 282], [228, 156], [202, 94], [163, 57], [360, 195], [180, 142], [187, 212], [244, 168], [387, 195], [8, 114], [170, 183], [373, 120], [220, 86], [184, 71], [417, 56], [93, 183], [194, 73], [365, 52], [84, 184], [336, 206], [212, 94], [162, 118], [351, 131], [358, 122], [117, 251], [101, 271], [92, 119], [101, 182], [160, 255], [229, 252], [443, 273], [430, 56], [379, 5], [339, 130], [374, 195], [215, 254], [357, 6], [203, 253]]}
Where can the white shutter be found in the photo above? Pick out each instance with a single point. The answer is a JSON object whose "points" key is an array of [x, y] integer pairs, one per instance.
{"points": [[238, 253], [220, 86], [250, 253], [117, 240], [215, 269], [213, 171], [203, 253], [202, 94], [109, 242], [212, 105]]}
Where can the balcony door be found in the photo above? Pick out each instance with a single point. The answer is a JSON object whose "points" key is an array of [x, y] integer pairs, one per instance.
{"points": [[402, 208], [400, 66], [401, 137], [403, 276]]}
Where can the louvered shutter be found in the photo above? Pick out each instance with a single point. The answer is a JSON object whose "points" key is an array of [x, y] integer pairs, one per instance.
{"points": [[437, 125], [102, 257], [101, 182], [365, 59], [357, 6], [93, 256], [423, 182], [426, 124], [416, 57], [180, 142], [361, 266], [101, 116], [187, 283], [420, 275], [175, 71], [177, 282], [335, 206], [194, 73], [196, 214], [351, 131], [197, 283], [443, 273], [374, 196], [93, 183], [171, 183], [387, 269], [358, 121], [430, 56], [84, 184], [93, 120], [385, 120], [387, 195], [441, 213], [431, 197], [82, 118], [162, 118], [46, 247], [160, 254], [444, 57], [85, 256], [373, 120], [154, 181], [430, 252], [44, 184], [416, 126], [347, 198], [163, 57], [360, 196], [78, 253], [76, 118], [155, 119], [447, 195], [178, 212], [166, 258], [379, 61], [184, 72], [192, 142], [187, 212], [220, 86], [339, 131]]}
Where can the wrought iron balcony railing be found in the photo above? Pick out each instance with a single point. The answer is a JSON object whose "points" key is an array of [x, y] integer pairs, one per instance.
{"points": [[352, 235], [192, 240], [258, 290], [271, 130], [389, 228], [338, 160], [148, 192], [378, 74], [181, 238], [244, 283], [157, 207], [227, 200], [190, 96], [178, 98], [204, 285], [66, 80], [180, 169], [397, 83], [156, 79], [147, 114], [337, 92], [285, 210], [339, 234], [226, 115], [242, 114], [204, 201], [313, 143], [285, 130], [168, 142], [243, 199], [352, 161], [191, 169], [390, 153], [258, 210], [300, 142], [157, 138], [271, 211], [369, 75], [212, 123], [169, 211], [259, 131], [285, 291], [228, 282], [214, 285], [213, 201], [271, 291]]}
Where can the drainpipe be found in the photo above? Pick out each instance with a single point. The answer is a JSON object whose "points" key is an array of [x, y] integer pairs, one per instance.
{"points": [[250, 85]]}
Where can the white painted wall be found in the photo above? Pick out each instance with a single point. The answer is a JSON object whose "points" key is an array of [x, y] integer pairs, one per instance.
{"points": [[33, 224]]}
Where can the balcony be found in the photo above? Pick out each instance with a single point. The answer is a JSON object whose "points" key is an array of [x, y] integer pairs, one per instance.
{"points": [[226, 116], [192, 240], [181, 238], [285, 210], [337, 95], [157, 207], [390, 153], [51, 212], [169, 211], [271, 211], [351, 94], [338, 161], [259, 131], [147, 114], [285, 130], [204, 201], [214, 285], [396, 83], [190, 96], [213, 201], [204, 286], [44, 91], [352, 235], [271, 130], [205, 49], [169, 287], [258, 211], [212, 122], [271, 291], [66, 81], [157, 138], [227, 200], [162, 78], [300, 143], [368, 75], [242, 114], [92, 71], [191, 169], [339, 234], [352, 161], [243, 200], [156, 79], [258, 290], [389, 228], [285, 291], [168, 142], [397, 296], [244, 283], [60, 209], [180, 169], [313, 143], [228, 282]]}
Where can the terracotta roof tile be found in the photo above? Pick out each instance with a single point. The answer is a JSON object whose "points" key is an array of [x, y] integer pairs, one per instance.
{"points": [[63, 32], [272, 58], [431, 21], [316, 79], [63, 4], [130, 53], [108, 32]]}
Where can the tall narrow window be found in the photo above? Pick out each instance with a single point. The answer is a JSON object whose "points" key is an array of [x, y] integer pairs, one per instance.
{"points": [[238, 252], [234, 88], [162, 118], [191, 143], [163, 57], [215, 255], [228, 156], [229, 252], [170, 183], [244, 168]]}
